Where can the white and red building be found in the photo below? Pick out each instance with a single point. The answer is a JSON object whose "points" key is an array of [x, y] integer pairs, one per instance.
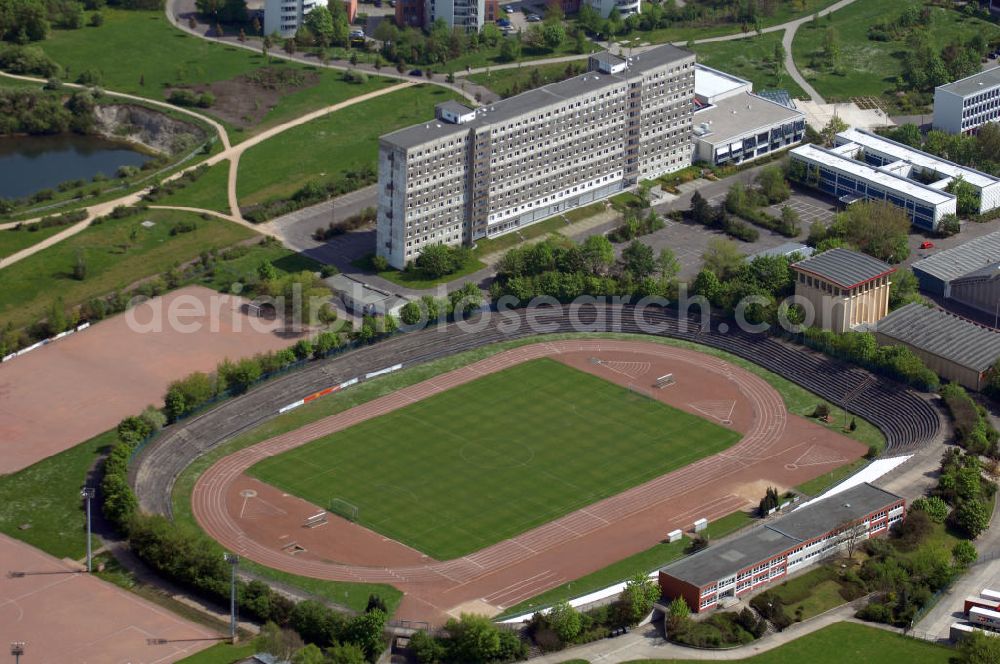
{"points": [[791, 543]]}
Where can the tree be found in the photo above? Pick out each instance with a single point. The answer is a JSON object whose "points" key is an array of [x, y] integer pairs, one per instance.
{"points": [[949, 225], [831, 129], [637, 598], [770, 501], [968, 197], [598, 254], [510, 50], [565, 621], [427, 649], [319, 21], [637, 259], [773, 185], [281, 643], [979, 648], [878, 228], [474, 639], [366, 630], [852, 534], [701, 211], [831, 48], [972, 517], [904, 288], [964, 553], [553, 34], [678, 614], [80, 267], [722, 257], [310, 654], [290, 46], [667, 264]]}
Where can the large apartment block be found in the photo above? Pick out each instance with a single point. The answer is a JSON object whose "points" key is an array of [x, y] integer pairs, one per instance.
{"points": [[476, 173], [967, 104]]}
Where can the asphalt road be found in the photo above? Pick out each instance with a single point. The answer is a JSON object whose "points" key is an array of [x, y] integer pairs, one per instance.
{"points": [[906, 417]]}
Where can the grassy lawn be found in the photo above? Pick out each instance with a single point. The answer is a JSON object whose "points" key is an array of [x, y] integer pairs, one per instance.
{"points": [[326, 148], [16, 239], [207, 192], [546, 226], [845, 642], [46, 497], [871, 67], [645, 561], [489, 57], [502, 81], [750, 59], [533, 458], [221, 653], [238, 270], [416, 279], [113, 258], [818, 485], [160, 55], [816, 591]]}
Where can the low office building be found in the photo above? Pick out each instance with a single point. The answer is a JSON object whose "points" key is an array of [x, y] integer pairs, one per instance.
{"points": [[363, 300], [285, 17], [791, 543], [844, 288], [968, 274], [838, 173], [912, 164], [624, 7], [967, 104], [478, 173], [733, 125], [954, 348]]}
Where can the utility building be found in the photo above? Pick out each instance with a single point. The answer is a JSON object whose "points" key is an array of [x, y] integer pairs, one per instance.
{"points": [[844, 288], [954, 348], [791, 543], [477, 173], [968, 274]]}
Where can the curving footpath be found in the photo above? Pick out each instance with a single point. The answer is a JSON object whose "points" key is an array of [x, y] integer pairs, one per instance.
{"points": [[907, 419]]}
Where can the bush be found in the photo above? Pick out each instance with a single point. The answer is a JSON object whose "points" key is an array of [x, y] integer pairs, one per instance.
{"points": [[934, 507]]}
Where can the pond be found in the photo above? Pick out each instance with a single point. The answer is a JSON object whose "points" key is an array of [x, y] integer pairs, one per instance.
{"points": [[31, 163]]}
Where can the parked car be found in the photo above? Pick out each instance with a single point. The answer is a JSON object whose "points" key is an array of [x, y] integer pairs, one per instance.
{"points": [[416, 72], [503, 23], [357, 32], [927, 244], [509, 9], [534, 18]]}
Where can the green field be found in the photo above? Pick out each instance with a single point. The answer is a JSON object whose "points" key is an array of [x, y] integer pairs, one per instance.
{"points": [[490, 459], [159, 55], [326, 148], [871, 67], [502, 81], [14, 240], [114, 258], [845, 642], [208, 192], [750, 59]]}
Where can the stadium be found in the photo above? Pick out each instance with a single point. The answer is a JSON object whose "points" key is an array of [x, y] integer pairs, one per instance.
{"points": [[544, 460]]}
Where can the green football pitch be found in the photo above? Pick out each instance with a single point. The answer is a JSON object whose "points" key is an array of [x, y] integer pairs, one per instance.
{"points": [[495, 457]]}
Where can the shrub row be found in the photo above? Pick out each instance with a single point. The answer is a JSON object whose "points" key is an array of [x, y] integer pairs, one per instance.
{"points": [[973, 428], [311, 193], [163, 189], [354, 222], [634, 226], [897, 362]]}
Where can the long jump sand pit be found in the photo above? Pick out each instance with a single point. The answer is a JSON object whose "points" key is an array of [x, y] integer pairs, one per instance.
{"points": [[776, 449], [73, 389], [66, 616]]}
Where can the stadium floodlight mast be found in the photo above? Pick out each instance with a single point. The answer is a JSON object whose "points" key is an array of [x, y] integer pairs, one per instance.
{"points": [[87, 493], [233, 561], [17, 649]]}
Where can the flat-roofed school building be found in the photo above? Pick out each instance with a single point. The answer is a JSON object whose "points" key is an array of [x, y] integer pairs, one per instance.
{"points": [[838, 173], [961, 107], [478, 173], [791, 543], [844, 288]]}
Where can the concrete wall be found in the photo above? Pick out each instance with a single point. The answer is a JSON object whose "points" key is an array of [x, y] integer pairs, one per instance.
{"points": [[947, 112], [844, 310]]}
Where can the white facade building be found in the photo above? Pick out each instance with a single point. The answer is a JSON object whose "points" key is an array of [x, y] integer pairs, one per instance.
{"points": [[466, 14], [839, 174], [624, 7], [285, 17], [478, 173], [965, 105]]}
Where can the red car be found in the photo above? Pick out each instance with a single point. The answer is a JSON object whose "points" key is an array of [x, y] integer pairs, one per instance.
{"points": [[927, 245]]}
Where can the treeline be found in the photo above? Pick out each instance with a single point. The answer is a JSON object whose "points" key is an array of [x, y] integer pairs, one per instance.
{"points": [[772, 188], [897, 362], [726, 278], [23, 21], [973, 429], [352, 223], [963, 488], [428, 309], [312, 192], [718, 217], [981, 151], [560, 268], [27, 111]]}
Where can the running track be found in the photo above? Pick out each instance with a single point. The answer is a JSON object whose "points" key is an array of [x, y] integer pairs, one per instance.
{"points": [[209, 495]]}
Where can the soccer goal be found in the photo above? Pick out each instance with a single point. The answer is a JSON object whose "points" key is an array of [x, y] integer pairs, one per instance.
{"points": [[663, 381], [345, 509]]}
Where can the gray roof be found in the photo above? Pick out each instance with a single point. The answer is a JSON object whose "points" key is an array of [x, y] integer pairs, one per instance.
{"points": [[529, 101], [358, 290], [808, 522], [976, 83], [741, 114], [786, 249], [844, 267], [961, 260], [454, 107], [940, 333], [607, 57], [991, 271]]}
